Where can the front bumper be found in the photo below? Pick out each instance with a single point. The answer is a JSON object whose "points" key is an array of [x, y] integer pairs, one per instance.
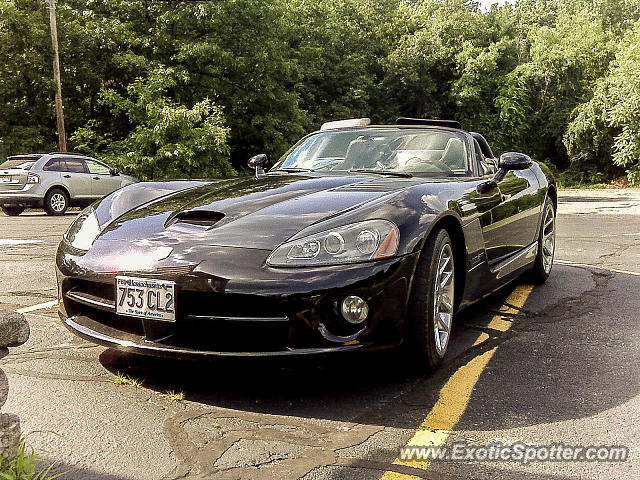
{"points": [[232, 304]]}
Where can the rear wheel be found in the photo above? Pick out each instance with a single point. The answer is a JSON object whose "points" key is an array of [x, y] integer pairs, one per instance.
{"points": [[432, 302], [546, 245], [56, 202], [11, 210]]}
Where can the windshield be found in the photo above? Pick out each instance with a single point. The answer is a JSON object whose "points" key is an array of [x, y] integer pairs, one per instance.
{"points": [[412, 151]]}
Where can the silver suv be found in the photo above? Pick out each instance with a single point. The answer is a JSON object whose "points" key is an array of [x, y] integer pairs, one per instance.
{"points": [[55, 181]]}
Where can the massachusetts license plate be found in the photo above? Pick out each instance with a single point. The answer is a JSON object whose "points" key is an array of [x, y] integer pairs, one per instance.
{"points": [[146, 298]]}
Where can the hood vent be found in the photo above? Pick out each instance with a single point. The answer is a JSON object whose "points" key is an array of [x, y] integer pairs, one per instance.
{"points": [[368, 187], [199, 218]]}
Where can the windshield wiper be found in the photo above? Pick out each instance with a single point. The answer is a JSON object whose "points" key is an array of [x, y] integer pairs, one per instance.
{"points": [[382, 172], [294, 170]]}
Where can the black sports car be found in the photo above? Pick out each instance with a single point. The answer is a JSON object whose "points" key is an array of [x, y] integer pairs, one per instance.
{"points": [[360, 237]]}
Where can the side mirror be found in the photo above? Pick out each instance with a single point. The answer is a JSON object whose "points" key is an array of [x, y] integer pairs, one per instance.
{"points": [[514, 161], [114, 172], [508, 161], [258, 162]]}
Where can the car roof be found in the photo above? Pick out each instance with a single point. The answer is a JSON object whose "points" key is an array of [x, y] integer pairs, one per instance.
{"points": [[68, 154]]}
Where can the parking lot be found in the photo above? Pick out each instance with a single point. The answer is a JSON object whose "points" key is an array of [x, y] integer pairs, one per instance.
{"points": [[552, 364]]}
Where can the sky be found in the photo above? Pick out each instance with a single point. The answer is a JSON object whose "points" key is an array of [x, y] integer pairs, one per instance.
{"points": [[485, 5]]}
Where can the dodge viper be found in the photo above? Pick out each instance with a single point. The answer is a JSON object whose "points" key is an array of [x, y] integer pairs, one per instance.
{"points": [[360, 237]]}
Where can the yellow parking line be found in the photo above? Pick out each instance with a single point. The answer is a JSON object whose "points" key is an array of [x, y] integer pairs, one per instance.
{"points": [[40, 306], [456, 393]]}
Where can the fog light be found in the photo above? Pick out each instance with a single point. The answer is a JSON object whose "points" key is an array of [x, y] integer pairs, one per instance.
{"points": [[354, 309]]}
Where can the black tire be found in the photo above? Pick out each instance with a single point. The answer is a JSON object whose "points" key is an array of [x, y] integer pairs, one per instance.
{"points": [[56, 202], [544, 259], [12, 210], [421, 330]]}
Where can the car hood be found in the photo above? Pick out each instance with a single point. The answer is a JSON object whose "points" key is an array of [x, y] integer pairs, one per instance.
{"points": [[247, 212]]}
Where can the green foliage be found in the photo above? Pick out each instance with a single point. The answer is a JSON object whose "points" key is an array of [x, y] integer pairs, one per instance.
{"points": [[23, 465], [27, 120], [608, 125], [123, 379], [165, 138], [192, 89]]}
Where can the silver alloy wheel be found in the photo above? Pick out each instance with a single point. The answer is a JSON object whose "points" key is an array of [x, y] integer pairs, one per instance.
{"points": [[548, 239], [58, 202], [443, 297]]}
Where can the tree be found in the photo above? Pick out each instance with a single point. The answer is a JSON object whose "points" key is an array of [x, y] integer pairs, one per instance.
{"points": [[608, 125], [166, 139], [27, 121]]}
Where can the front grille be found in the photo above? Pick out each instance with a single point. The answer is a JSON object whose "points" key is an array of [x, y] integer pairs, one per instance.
{"points": [[204, 320]]}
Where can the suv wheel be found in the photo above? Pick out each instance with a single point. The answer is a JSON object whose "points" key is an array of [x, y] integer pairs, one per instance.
{"points": [[12, 211], [56, 202]]}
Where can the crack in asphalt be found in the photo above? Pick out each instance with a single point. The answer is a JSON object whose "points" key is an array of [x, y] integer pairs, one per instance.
{"points": [[56, 376], [320, 443], [620, 249], [33, 294]]}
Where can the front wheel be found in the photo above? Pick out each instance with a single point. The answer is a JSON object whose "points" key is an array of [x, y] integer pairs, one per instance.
{"points": [[11, 210], [56, 202], [546, 245], [432, 301]]}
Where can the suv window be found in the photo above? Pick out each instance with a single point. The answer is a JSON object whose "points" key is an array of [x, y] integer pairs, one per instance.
{"points": [[55, 165], [75, 165], [98, 168]]}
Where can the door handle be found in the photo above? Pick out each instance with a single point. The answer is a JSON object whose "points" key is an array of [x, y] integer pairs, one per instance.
{"points": [[96, 178], [67, 176]]}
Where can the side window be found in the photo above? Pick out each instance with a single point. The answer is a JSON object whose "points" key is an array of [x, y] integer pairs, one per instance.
{"points": [[54, 165], [485, 167], [97, 168], [75, 165]]}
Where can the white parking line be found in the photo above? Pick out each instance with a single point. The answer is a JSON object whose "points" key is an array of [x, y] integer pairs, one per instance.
{"points": [[10, 242], [40, 306], [615, 270]]}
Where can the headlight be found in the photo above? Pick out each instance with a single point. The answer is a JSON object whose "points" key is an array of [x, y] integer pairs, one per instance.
{"points": [[84, 230], [358, 242]]}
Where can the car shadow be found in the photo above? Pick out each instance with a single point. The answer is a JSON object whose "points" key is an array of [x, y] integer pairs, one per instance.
{"points": [[556, 363]]}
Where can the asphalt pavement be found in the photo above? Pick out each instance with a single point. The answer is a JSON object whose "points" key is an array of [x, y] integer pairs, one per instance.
{"points": [[554, 364]]}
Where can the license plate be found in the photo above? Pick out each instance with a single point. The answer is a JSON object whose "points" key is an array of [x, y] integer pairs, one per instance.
{"points": [[5, 179], [146, 298]]}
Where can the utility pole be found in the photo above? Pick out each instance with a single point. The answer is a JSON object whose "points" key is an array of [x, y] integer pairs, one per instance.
{"points": [[62, 142]]}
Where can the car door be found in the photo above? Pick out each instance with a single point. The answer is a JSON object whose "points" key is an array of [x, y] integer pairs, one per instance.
{"points": [[508, 212], [76, 179], [102, 181], [519, 211], [486, 205]]}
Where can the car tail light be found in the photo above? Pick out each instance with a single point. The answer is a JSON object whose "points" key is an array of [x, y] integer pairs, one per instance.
{"points": [[33, 178]]}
